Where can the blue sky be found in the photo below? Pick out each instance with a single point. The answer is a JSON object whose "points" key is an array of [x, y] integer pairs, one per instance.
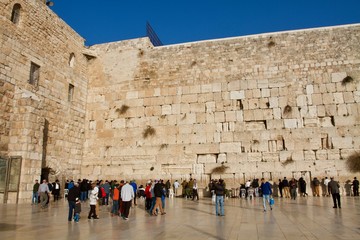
{"points": [[100, 21]]}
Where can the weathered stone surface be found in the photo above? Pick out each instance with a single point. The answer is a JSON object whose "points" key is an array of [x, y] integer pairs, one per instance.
{"points": [[182, 118]]}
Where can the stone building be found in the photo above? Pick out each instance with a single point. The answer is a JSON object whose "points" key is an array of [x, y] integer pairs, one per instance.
{"points": [[272, 105]]}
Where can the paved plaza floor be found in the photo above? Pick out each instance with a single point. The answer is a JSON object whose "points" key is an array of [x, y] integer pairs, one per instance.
{"points": [[303, 218]]}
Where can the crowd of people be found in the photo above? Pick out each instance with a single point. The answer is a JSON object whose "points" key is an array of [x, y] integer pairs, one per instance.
{"points": [[122, 195]]}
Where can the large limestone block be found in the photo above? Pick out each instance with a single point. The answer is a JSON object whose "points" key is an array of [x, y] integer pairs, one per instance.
{"points": [[334, 154], [166, 110], [237, 94], [309, 155], [254, 157], [338, 76], [301, 100], [198, 168], [348, 97], [342, 142], [189, 98], [326, 122], [270, 157], [298, 155], [311, 122], [219, 117], [321, 155], [345, 120], [291, 123], [230, 147], [274, 102], [328, 98], [197, 107]]}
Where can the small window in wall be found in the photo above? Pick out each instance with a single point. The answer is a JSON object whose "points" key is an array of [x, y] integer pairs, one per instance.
{"points": [[72, 60], [15, 14], [34, 74], [70, 92]]}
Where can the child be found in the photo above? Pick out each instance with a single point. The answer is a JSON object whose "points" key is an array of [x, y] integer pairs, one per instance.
{"points": [[77, 210]]}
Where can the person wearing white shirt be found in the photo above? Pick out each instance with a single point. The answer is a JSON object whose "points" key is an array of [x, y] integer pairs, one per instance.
{"points": [[176, 186], [127, 194], [326, 183], [247, 186]]}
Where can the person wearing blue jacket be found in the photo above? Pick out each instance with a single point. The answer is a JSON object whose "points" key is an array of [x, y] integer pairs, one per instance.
{"points": [[266, 192]]}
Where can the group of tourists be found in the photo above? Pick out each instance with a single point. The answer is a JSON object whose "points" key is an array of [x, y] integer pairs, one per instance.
{"points": [[41, 192], [123, 194]]}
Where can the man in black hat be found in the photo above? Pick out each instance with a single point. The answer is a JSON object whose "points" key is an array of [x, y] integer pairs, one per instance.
{"points": [[335, 192]]}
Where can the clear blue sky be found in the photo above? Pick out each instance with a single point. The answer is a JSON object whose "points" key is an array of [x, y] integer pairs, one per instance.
{"points": [[179, 21]]}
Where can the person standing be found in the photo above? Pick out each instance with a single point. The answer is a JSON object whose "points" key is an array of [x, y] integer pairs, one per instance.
{"points": [[247, 186], [56, 190], [326, 183], [285, 184], [219, 189], [158, 192], [116, 197], [127, 194], [266, 192], [43, 192], [74, 193], [293, 188], [35, 195], [83, 190], [107, 188], [316, 185], [167, 187], [355, 185], [148, 196], [134, 186], [195, 191], [280, 188], [93, 198], [302, 186], [176, 187], [335, 192]]}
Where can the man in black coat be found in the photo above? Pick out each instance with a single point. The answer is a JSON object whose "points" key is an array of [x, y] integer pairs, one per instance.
{"points": [[355, 185], [74, 193]]}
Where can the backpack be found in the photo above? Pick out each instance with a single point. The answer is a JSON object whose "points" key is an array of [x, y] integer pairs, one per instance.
{"points": [[103, 193]]}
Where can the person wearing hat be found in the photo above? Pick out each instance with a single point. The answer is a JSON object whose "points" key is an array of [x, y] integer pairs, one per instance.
{"points": [[335, 192]]}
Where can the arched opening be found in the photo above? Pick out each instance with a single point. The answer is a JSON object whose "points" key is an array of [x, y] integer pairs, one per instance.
{"points": [[15, 14], [72, 60]]}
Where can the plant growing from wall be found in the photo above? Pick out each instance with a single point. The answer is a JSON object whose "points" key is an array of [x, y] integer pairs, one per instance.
{"points": [[289, 160], [219, 170], [123, 109], [164, 145], [271, 44], [347, 80], [287, 109], [353, 162], [149, 131]]}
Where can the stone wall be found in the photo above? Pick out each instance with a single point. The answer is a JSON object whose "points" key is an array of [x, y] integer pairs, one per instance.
{"points": [[40, 124], [267, 105], [272, 105]]}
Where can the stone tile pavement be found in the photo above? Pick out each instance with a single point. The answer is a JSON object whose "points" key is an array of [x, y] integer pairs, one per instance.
{"points": [[303, 218]]}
